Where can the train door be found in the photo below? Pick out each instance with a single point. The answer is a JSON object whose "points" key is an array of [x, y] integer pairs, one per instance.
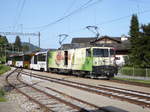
{"points": [[66, 58], [35, 59], [33, 64]]}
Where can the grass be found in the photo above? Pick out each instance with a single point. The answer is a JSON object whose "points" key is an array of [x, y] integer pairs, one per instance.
{"points": [[3, 69], [2, 94], [133, 80], [130, 71]]}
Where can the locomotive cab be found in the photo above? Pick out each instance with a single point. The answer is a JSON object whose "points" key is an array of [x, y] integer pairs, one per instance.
{"points": [[19, 60], [10, 61], [39, 61], [104, 62]]}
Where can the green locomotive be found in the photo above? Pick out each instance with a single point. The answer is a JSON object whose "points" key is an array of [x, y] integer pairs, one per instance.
{"points": [[87, 61]]}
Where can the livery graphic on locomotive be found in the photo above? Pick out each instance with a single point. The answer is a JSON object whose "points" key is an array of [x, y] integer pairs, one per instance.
{"points": [[86, 61]]}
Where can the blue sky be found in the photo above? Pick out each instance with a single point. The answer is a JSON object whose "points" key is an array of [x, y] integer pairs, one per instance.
{"points": [[112, 17]]}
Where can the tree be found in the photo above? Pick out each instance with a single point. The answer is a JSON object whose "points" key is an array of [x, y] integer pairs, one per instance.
{"points": [[134, 39], [25, 48], [3, 45], [18, 43], [5, 40], [140, 43], [144, 41], [134, 27]]}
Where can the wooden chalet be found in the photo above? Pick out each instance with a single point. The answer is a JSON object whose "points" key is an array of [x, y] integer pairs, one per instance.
{"points": [[121, 44]]}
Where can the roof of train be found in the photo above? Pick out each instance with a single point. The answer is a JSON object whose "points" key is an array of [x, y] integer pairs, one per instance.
{"points": [[77, 46]]}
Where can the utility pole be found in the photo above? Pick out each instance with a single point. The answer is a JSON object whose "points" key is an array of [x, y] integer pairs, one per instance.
{"points": [[5, 54], [39, 38], [23, 34], [29, 43]]}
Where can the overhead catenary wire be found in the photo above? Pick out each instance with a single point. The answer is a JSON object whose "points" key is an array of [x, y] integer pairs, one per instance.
{"points": [[123, 17], [15, 19], [110, 21], [102, 23], [19, 14], [88, 4], [70, 7]]}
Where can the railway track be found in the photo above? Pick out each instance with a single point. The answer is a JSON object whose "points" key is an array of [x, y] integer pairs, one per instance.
{"points": [[129, 82], [136, 97], [51, 101]]}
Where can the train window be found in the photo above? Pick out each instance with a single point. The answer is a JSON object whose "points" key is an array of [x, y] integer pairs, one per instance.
{"points": [[18, 58], [9, 58], [100, 52], [88, 52], [35, 59], [112, 52], [42, 57], [66, 58], [26, 58]]}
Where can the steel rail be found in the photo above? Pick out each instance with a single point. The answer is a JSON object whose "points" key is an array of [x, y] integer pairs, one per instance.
{"points": [[129, 82], [91, 88], [80, 109], [30, 98]]}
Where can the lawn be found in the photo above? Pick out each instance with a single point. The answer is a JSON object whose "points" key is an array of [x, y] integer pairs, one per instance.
{"points": [[130, 71], [2, 94], [3, 69], [133, 80]]}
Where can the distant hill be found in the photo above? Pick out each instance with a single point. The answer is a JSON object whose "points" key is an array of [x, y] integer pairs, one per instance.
{"points": [[32, 47]]}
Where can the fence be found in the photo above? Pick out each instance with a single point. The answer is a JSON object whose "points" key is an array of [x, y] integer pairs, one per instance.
{"points": [[135, 72]]}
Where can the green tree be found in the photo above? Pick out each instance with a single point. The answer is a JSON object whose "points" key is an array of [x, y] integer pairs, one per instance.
{"points": [[134, 27], [144, 49], [25, 48], [5, 40], [18, 43], [3, 45], [134, 39]]}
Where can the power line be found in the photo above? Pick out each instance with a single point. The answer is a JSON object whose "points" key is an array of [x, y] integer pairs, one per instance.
{"points": [[19, 33], [69, 8], [123, 17], [112, 20], [23, 34], [20, 12], [84, 6], [15, 19]]}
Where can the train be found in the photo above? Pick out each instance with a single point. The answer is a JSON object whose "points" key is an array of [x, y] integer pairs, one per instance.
{"points": [[91, 62]]}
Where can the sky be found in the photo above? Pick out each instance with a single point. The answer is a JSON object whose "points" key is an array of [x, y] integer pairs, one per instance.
{"points": [[54, 17]]}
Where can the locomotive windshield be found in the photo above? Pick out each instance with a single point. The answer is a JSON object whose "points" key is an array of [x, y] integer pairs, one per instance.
{"points": [[26, 58], [100, 52], [112, 52], [42, 57], [103, 52], [19, 58]]}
